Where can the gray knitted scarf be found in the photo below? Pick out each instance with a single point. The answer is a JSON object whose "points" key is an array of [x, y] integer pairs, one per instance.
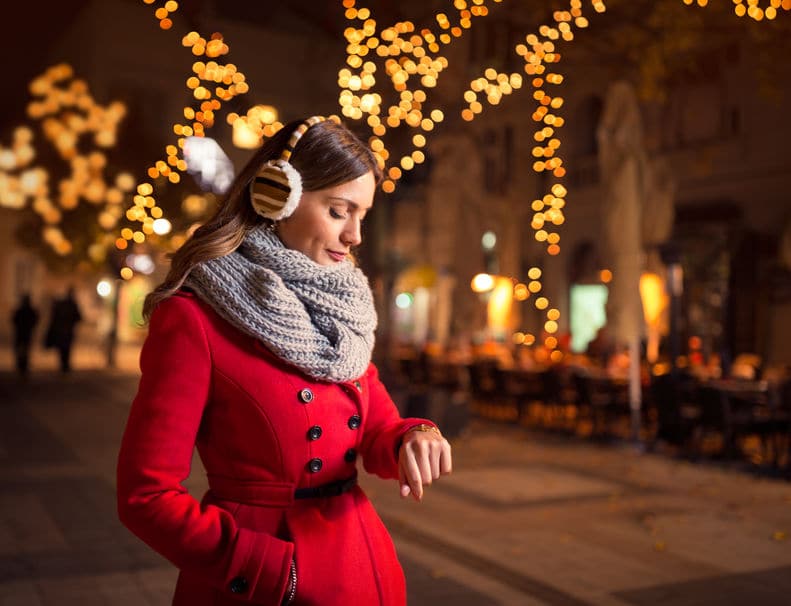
{"points": [[319, 318]]}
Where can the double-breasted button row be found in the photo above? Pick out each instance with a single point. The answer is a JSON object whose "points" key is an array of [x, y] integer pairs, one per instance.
{"points": [[350, 456], [354, 422], [315, 465], [305, 395], [314, 433], [238, 585]]}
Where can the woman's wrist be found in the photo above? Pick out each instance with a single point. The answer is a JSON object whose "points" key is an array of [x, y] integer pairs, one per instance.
{"points": [[420, 427]]}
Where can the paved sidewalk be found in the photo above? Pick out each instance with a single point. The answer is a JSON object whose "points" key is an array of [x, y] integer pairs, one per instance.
{"points": [[525, 519]]}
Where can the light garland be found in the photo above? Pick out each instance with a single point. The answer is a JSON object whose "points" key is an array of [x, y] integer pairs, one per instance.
{"points": [[407, 57], [412, 64], [163, 12], [67, 113], [751, 8], [212, 83]]}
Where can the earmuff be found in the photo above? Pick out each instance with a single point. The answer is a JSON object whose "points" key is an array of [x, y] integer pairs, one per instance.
{"points": [[277, 187]]}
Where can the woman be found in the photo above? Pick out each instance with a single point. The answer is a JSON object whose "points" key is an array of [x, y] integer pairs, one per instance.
{"points": [[258, 353]]}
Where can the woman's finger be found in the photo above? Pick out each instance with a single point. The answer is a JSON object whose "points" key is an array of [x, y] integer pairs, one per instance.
{"points": [[446, 460], [402, 482], [423, 455], [434, 459], [413, 474]]}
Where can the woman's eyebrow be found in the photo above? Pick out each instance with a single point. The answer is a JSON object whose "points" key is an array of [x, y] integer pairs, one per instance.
{"points": [[351, 203]]}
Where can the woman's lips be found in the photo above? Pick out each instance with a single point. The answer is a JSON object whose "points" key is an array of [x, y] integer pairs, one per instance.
{"points": [[336, 256]]}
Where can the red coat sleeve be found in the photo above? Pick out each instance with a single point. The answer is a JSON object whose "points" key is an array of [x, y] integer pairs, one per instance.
{"points": [[155, 458], [384, 429]]}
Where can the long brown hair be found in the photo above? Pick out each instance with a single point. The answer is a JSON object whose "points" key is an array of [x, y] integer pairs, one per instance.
{"points": [[328, 154]]}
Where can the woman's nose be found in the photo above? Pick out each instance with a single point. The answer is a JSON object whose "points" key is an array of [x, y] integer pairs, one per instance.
{"points": [[351, 234]]}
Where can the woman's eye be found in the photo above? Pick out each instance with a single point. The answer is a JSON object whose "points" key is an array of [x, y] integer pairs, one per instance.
{"points": [[335, 214]]}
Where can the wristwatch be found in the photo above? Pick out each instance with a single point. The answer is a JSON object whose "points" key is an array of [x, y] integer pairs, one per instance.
{"points": [[424, 427]]}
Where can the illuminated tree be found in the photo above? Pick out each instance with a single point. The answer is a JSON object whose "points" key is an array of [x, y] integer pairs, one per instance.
{"points": [[57, 172]]}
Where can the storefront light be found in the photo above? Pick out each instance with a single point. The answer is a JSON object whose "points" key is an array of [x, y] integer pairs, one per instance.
{"points": [[489, 240], [104, 288], [404, 300], [482, 283]]}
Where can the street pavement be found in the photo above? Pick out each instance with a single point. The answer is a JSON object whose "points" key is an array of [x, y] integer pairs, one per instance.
{"points": [[525, 519]]}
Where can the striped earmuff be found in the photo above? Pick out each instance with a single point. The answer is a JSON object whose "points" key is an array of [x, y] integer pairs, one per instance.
{"points": [[277, 187]]}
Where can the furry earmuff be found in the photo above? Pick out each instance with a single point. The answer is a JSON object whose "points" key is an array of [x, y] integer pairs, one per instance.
{"points": [[277, 187]]}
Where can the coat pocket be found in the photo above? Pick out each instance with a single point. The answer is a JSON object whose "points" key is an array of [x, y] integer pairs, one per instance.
{"points": [[333, 553]]}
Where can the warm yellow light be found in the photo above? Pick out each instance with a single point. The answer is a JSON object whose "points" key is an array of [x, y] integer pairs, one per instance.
{"points": [[521, 292], [482, 283], [245, 136], [499, 304], [653, 297]]}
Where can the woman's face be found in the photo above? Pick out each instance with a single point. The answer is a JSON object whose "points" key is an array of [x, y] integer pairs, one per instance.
{"points": [[327, 222]]}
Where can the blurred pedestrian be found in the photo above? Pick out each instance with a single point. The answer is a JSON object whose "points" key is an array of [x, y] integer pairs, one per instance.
{"points": [[64, 317], [24, 319], [259, 353]]}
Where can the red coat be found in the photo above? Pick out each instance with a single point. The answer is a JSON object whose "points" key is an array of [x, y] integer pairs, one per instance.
{"points": [[262, 429]]}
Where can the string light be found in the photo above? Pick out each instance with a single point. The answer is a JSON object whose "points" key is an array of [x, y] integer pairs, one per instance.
{"points": [[753, 9], [211, 84], [412, 64], [164, 12]]}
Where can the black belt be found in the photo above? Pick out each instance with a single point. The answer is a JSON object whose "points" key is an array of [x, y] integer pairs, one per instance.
{"points": [[332, 489]]}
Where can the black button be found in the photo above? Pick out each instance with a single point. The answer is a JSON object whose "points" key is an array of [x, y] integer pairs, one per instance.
{"points": [[354, 422], [238, 585], [315, 465], [358, 385], [305, 396], [314, 433], [350, 455]]}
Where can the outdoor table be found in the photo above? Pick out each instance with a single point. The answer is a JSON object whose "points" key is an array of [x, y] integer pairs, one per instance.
{"points": [[751, 403]]}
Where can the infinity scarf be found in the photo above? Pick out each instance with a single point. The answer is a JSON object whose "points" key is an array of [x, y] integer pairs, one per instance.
{"points": [[319, 318]]}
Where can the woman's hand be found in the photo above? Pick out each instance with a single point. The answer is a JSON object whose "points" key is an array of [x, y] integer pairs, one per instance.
{"points": [[423, 457]]}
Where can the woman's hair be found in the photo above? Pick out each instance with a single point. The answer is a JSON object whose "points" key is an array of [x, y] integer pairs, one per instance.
{"points": [[326, 155]]}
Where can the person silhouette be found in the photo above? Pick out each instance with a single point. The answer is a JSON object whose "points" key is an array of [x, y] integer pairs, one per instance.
{"points": [[24, 319], [64, 317]]}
